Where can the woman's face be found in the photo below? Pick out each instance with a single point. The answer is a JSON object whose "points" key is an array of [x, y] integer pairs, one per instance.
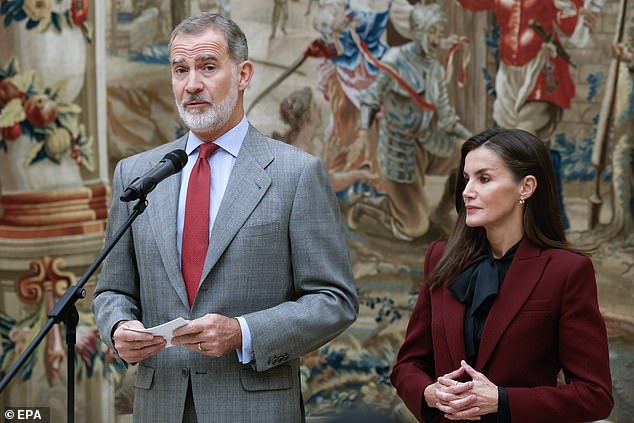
{"points": [[492, 193]]}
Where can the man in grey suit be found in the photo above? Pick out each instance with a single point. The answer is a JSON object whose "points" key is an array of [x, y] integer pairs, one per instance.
{"points": [[269, 279]]}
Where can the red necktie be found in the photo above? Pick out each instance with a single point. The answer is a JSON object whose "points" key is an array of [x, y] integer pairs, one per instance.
{"points": [[196, 227]]}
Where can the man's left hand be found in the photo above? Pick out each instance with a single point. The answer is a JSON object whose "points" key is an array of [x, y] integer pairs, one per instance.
{"points": [[213, 335]]}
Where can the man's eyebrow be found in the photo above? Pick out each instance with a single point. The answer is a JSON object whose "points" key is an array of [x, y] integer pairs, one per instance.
{"points": [[206, 58], [198, 59]]}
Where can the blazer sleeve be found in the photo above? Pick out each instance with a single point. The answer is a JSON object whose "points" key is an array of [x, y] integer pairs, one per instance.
{"points": [[326, 302], [414, 368], [116, 295], [584, 357]]}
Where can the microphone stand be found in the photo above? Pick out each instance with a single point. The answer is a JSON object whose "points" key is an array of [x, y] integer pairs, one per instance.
{"points": [[66, 312]]}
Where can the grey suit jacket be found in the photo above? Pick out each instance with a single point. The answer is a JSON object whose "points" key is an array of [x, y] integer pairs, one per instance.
{"points": [[276, 256]]}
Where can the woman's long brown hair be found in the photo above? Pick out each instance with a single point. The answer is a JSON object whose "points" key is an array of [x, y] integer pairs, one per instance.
{"points": [[523, 154]]}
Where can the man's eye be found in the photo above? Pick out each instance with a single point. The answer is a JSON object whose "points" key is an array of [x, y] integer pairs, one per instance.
{"points": [[209, 68], [180, 71]]}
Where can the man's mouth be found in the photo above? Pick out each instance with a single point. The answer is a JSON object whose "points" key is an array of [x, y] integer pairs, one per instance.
{"points": [[196, 103]]}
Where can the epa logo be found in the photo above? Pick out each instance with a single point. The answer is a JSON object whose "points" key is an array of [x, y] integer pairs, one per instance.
{"points": [[27, 414]]}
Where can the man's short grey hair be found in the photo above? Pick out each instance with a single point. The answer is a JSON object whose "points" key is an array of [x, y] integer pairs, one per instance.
{"points": [[234, 37], [424, 16]]}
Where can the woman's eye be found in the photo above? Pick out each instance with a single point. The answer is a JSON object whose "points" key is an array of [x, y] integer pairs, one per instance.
{"points": [[484, 179]]}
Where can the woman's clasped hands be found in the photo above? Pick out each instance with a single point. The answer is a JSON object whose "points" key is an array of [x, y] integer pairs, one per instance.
{"points": [[463, 400]]}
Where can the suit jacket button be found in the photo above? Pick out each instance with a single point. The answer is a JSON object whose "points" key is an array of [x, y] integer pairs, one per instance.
{"points": [[185, 371]]}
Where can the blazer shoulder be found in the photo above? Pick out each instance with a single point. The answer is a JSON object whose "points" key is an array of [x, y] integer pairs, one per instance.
{"points": [[434, 253], [567, 257]]}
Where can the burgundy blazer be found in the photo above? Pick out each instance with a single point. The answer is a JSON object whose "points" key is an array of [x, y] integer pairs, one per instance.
{"points": [[546, 318]]}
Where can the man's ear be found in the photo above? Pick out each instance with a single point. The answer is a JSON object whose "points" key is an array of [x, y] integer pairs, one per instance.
{"points": [[245, 73], [528, 187]]}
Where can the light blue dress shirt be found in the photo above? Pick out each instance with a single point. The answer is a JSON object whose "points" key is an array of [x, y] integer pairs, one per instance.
{"points": [[221, 163]]}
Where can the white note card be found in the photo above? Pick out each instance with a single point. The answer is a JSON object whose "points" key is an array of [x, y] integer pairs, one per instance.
{"points": [[165, 330]]}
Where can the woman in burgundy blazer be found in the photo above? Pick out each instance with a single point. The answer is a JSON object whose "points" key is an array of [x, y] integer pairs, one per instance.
{"points": [[496, 356]]}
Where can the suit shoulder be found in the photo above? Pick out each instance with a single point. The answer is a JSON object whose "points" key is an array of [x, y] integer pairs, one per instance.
{"points": [[286, 148], [155, 153], [287, 152]]}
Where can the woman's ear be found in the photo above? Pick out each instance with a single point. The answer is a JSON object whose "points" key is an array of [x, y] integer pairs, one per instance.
{"points": [[528, 186]]}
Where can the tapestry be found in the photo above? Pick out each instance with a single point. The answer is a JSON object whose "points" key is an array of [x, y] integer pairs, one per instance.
{"points": [[343, 80]]}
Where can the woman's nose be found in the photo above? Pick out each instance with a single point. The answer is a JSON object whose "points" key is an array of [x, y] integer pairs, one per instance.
{"points": [[467, 192]]}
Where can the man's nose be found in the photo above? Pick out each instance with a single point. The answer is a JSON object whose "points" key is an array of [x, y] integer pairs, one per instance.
{"points": [[194, 84]]}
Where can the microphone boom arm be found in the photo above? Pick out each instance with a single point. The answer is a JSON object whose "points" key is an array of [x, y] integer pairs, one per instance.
{"points": [[65, 311]]}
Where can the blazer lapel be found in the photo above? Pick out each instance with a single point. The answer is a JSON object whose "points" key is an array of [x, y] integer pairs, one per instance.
{"points": [[526, 270], [453, 320], [247, 185], [162, 216]]}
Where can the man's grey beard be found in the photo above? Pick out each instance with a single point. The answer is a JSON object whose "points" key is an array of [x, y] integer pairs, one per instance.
{"points": [[215, 117]]}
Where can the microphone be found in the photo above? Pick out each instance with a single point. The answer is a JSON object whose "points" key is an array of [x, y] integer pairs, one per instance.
{"points": [[172, 163]]}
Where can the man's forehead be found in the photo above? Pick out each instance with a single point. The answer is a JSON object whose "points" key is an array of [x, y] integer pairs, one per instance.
{"points": [[207, 44]]}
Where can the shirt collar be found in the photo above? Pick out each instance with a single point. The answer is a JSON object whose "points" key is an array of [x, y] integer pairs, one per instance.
{"points": [[230, 141]]}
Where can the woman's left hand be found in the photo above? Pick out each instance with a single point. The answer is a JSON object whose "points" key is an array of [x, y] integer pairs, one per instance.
{"points": [[486, 392], [482, 398]]}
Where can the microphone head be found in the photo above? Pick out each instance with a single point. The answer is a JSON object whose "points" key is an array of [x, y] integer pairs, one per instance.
{"points": [[143, 185], [178, 158]]}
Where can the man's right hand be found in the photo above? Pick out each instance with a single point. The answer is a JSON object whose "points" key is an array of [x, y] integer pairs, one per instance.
{"points": [[135, 346]]}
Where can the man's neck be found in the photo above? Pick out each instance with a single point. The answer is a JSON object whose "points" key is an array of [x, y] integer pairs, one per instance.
{"points": [[232, 122]]}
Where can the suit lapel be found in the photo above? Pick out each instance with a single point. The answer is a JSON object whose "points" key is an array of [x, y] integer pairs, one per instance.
{"points": [[247, 185], [526, 270], [163, 214]]}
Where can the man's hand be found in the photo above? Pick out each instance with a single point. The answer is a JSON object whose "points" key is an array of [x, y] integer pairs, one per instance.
{"points": [[135, 346], [213, 335]]}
